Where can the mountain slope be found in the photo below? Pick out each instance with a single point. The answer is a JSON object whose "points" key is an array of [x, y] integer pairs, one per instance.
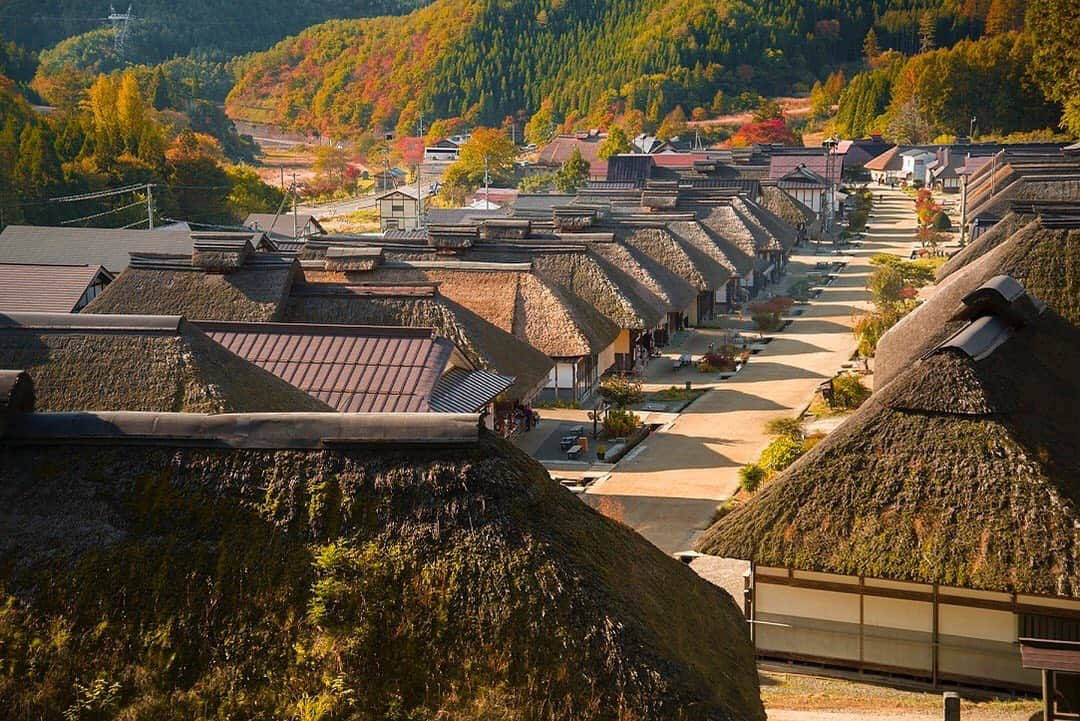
{"points": [[485, 59], [368, 583], [165, 28]]}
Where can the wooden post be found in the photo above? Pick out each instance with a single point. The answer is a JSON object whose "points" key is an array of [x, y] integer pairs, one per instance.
{"points": [[951, 701], [1048, 695], [934, 639]]}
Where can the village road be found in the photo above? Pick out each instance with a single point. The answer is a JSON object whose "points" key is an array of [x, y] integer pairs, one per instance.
{"points": [[669, 490]]}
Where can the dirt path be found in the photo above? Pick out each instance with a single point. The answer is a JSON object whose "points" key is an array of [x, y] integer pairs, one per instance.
{"points": [[668, 491]]}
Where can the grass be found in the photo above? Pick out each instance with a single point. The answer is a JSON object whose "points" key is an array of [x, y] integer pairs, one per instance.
{"points": [[815, 693], [362, 221]]}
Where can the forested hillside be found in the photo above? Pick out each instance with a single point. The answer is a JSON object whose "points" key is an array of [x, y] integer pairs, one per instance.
{"points": [[486, 59], [165, 28]]}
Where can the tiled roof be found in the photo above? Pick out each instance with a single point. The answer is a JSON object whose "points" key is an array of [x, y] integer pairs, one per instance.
{"points": [[782, 165], [45, 288], [87, 246], [353, 369]]}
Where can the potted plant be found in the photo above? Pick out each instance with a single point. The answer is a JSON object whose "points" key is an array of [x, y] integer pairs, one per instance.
{"points": [[601, 451]]}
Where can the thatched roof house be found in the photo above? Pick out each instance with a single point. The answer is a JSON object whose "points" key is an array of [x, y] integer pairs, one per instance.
{"points": [[1044, 255], [701, 270], [675, 293], [914, 485], [420, 306], [139, 363], [175, 285], [424, 566], [509, 296], [699, 236], [785, 207]]}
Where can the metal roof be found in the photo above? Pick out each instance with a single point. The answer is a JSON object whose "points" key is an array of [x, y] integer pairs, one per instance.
{"points": [[108, 247], [46, 288], [461, 391], [1050, 655], [354, 369], [782, 165]]}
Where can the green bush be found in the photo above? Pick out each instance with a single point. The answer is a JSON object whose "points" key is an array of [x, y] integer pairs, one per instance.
{"points": [[620, 422], [800, 290], [621, 392], [849, 392], [750, 477], [942, 222], [781, 453], [790, 427]]}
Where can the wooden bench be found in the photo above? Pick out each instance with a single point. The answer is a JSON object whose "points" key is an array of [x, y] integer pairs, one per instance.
{"points": [[682, 361], [573, 452]]}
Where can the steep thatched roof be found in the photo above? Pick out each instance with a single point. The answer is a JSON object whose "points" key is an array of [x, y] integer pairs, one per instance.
{"points": [[170, 285], [619, 297], [483, 343], [736, 238], [1064, 187], [785, 207], [781, 236], [962, 472], [982, 245], [140, 363], [697, 235], [421, 581], [667, 246], [674, 293], [1045, 260], [516, 300]]}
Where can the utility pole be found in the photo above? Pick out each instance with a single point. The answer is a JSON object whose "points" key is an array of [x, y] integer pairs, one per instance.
{"points": [[295, 220], [419, 179], [150, 205], [487, 181]]}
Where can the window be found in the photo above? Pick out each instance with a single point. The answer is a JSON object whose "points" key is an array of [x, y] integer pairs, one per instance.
{"points": [[397, 208]]}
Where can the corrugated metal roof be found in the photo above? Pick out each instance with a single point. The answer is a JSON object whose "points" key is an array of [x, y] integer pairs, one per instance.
{"points": [[45, 288], [111, 248], [354, 369], [815, 160], [461, 391]]}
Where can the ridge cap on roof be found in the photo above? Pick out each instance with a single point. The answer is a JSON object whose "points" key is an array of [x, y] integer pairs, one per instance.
{"points": [[315, 328], [89, 321]]}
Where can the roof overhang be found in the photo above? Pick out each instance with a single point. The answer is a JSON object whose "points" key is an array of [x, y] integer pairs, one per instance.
{"points": [[1049, 655]]}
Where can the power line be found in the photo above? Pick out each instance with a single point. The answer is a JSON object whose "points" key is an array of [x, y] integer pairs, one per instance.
{"points": [[107, 212]]}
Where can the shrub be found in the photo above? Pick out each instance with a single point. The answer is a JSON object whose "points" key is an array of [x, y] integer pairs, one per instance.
{"points": [[942, 222], [811, 441], [800, 290], [849, 392], [620, 422], [781, 453], [767, 322], [720, 360], [750, 477], [620, 391], [886, 284], [790, 427]]}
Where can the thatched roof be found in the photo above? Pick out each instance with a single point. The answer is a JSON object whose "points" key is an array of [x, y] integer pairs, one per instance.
{"points": [[698, 236], [982, 245], [961, 472], [785, 207], [424, 580], [1063, 187], [1045, 260], [143, 363], [736, 239], [619, 297], [516, 300], [674, 293], [170, 285], [668, 247], [782, 236], [484, 344]]}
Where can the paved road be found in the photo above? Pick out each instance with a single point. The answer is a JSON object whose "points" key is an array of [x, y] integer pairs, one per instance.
{"points": [[668, 491]]}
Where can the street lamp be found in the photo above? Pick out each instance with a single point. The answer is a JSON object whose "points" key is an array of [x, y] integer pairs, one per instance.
{"points": [[830, 143]]}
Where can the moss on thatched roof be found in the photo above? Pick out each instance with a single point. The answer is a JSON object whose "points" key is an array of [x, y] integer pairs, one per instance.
{"points": [[959, 472], [376, 582], [143, 370], [1046, 261], [785, 207], [171, 286], [485, 344]]}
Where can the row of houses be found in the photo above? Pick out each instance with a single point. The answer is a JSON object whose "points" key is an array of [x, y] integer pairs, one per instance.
{"points": [[551, 294], [933, 534]]}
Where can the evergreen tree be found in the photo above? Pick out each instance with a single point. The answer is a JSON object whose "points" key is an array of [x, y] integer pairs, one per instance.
{"points": [[871, 49], [927, 31]]}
